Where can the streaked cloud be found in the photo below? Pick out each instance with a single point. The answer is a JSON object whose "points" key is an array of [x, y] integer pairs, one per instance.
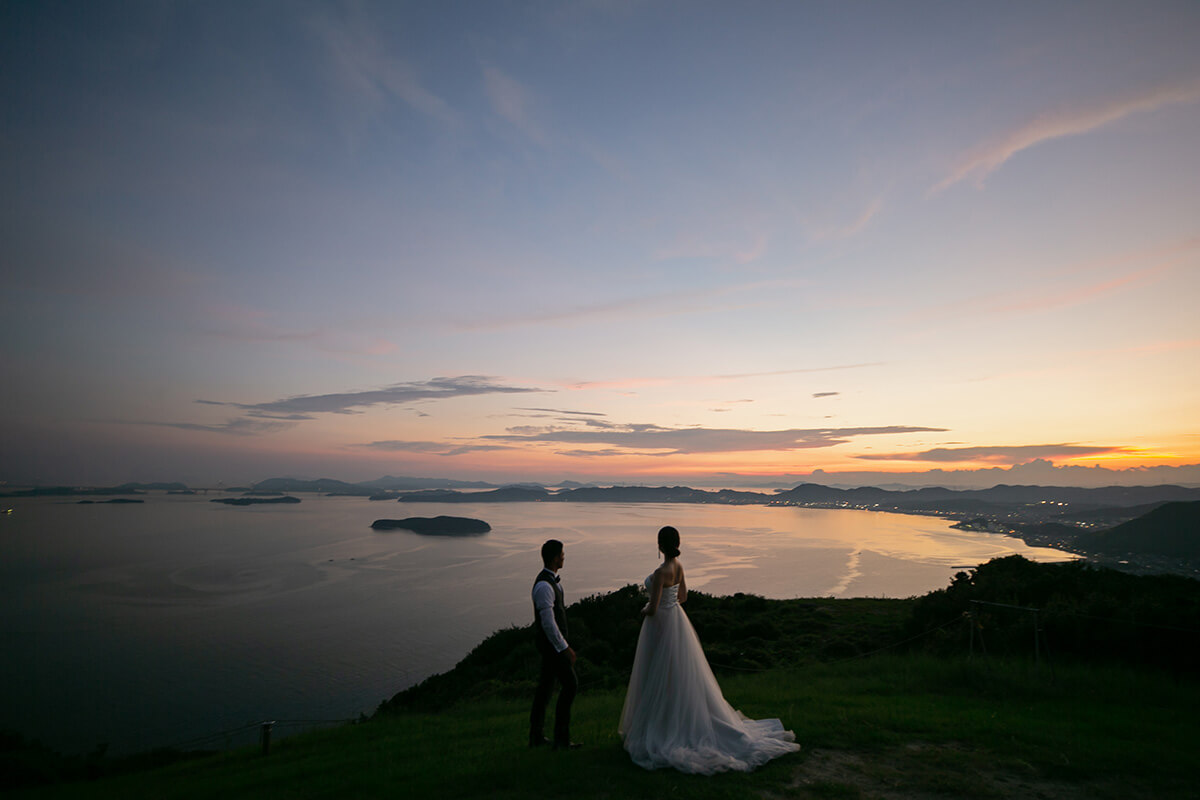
{"points": [[367, 70], [1009, 455], [611, 452], [820, 232], [1080, 294], [741, 247], [1161, 347], [636, 383], [396, 394], [431, 448], [826, 394], [987, 158], [648, 306], [679, 441], [239, 426], [564, 411], [513, 101], [245, 324], [1080, 283]]}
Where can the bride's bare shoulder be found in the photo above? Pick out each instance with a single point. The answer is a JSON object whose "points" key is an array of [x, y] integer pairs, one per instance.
{"points": [[670, 574]]}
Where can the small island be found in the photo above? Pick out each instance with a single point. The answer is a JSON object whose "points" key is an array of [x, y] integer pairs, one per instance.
{"points": [[254, 501], [435, 526], [116, 500]]}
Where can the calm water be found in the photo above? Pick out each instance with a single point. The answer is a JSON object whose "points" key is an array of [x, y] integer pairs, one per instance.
{"points": [[152, 624]]}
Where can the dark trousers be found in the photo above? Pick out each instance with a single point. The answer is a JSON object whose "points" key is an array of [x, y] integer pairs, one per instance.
{"points": [[555, 667]]}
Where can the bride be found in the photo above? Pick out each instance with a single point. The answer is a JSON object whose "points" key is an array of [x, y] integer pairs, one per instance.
{"points": [[675, 714]]}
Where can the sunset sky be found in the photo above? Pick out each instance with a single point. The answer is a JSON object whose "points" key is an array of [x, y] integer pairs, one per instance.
{"points": [[684, 242]]}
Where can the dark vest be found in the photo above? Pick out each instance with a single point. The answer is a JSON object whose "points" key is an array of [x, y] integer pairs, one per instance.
{"points": [[560, 610]]}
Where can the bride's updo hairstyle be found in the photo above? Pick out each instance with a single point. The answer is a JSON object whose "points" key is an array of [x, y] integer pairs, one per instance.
{"points": [[668, 541]]}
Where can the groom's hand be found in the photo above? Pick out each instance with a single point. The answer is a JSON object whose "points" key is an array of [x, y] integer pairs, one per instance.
{"points": [[570, 651]]}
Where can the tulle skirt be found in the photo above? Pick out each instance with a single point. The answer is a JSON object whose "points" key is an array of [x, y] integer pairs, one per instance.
{"points": [[675, 715]]}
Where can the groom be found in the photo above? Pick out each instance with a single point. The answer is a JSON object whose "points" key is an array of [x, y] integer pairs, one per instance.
{"points": [[558, 658]]}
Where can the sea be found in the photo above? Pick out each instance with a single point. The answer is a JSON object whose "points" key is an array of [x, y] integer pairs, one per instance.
{"points": [[180, 622]]}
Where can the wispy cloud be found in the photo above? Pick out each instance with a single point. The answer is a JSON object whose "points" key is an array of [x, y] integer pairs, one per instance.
{"points": [[826, 394], [513, 101], [431, 448], [564, 411], [987, 158], [1010, 455], [396, 394], [1081, 294], [239, 426], [679, 441], [240, 323], [1139, 267], [743, 247], [825, 232], [1160, 347], [638, 383], [367, 71], [664, 304]]}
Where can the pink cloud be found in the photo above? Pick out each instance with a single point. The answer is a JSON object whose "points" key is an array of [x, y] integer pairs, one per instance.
{"points": [[989, 157]]}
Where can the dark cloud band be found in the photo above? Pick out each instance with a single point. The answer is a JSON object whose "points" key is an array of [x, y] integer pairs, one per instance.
{"points": [[679, 441]]}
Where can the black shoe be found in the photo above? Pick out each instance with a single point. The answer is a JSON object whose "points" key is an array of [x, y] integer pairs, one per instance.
{"points": [[538, 741], [567, 745]]}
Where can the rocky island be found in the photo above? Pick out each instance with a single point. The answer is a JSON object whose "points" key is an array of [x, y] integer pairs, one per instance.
{"points": [[435, 526]]}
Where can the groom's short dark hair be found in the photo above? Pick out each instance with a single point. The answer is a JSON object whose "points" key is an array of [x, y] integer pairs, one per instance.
{"points": [[550, 551]]}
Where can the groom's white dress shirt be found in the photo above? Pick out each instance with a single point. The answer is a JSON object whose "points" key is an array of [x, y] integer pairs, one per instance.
{"points": [[543, 603]]}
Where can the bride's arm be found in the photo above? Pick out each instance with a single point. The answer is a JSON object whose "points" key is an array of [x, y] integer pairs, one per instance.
{"points": [[682, 586], [656, 586]]}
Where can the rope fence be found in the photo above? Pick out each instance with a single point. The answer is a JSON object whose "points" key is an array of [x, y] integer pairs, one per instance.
{"points": [[264, 729]]}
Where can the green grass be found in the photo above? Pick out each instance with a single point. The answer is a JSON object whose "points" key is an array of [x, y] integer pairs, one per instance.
{"points": [[895, 726]]}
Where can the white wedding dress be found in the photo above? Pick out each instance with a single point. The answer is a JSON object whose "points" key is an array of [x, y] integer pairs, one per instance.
{"points": [[675, 714]]}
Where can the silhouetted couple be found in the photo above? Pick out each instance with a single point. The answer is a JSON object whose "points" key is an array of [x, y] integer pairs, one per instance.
{"points": [[674, 713]]}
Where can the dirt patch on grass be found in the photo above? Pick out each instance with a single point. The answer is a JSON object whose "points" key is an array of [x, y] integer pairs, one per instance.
{"points": [[924, 771]]}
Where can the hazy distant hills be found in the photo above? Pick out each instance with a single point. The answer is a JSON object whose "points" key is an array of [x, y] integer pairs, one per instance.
{"points": [[391, 483], [124, 488], [1002, 494], [387, 483], [1035, 502]]}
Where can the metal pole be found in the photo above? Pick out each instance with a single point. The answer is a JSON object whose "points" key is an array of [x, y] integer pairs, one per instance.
{"points": [[971, 622], [266, 737], [1037, 650]]}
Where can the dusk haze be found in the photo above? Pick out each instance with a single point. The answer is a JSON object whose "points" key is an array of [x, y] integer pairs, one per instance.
{"points": [[660, 243]]}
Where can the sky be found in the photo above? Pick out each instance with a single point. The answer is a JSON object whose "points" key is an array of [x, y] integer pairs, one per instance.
{"points": [[709, 243]]}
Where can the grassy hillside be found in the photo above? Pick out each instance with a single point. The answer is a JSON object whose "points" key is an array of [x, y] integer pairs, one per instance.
{"points": [[881, 694], [1172, 529], [885, 726]]}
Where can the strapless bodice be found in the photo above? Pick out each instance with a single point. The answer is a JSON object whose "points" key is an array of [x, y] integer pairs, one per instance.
{"points": [[670, 594]]}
